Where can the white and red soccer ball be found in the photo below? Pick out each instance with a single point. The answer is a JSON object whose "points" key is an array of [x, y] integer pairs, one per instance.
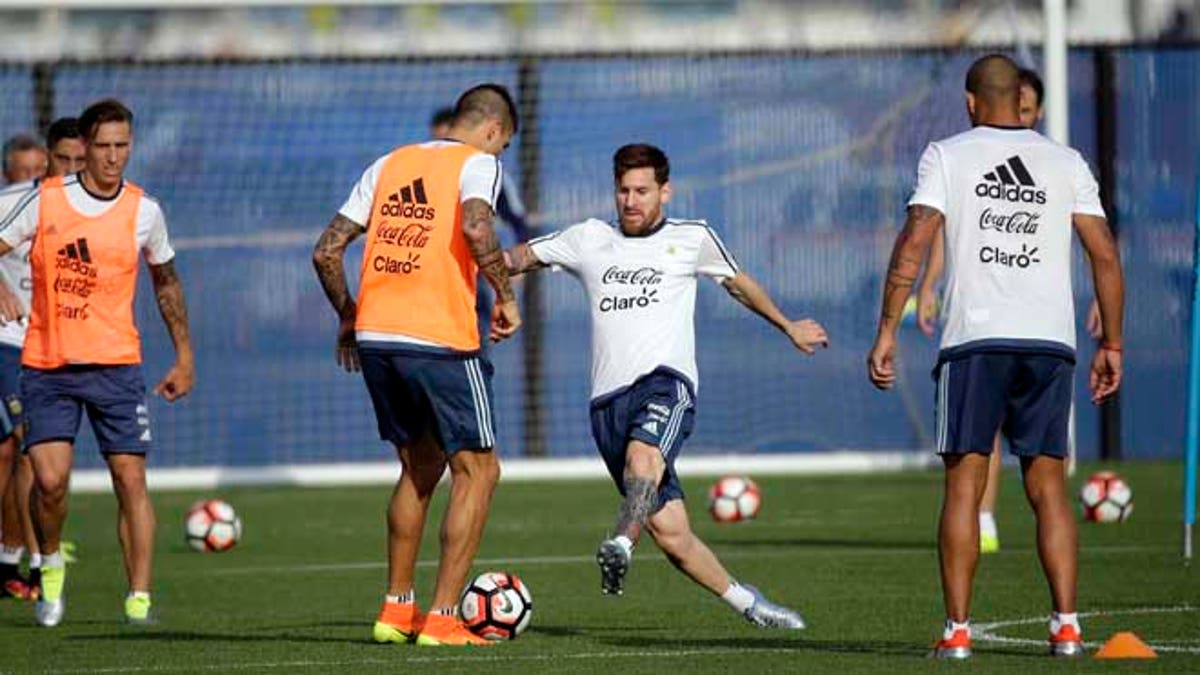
{"points": [[734, 498], [212, 526], [496, 606], [1106, 498]]}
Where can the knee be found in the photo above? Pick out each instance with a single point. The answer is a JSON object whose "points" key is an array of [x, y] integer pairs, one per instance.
{"points": [[51, 485], [480, 469], [645, 462], [129, 482]]}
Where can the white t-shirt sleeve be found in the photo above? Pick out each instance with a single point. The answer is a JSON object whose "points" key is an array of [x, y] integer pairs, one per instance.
{"points": [[562, 248], [481, 179], [358, 206], [19, 226], [931, 180], [714, 259], [1087, 191], [152, 232]]}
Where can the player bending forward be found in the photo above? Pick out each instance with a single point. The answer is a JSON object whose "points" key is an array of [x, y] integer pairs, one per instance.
{"points": [[640, 280]]}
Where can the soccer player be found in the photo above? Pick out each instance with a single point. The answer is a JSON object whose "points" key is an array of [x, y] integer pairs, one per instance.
{"points": [[427, 211], [1007, 198], [82, 347], [640, 278], [24, 163], [1030, 113]]}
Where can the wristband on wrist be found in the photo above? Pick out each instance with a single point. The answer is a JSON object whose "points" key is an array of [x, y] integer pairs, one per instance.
{"points": [[1111, 346]]}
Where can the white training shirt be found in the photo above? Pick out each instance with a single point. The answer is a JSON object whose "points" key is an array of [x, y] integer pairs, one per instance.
{"points": [[19, 225], [642, 293], [480, 179], [14, 267], [1007, 196]]}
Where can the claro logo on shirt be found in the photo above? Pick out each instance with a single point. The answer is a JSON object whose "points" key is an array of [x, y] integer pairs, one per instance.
{"points": [[409, 201], [1012, 182], [643, 278]]}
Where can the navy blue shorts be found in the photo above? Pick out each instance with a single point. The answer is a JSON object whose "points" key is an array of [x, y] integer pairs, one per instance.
{"points": [[658, 409], [114, 397], [1027, 396], [446, 395], [12, 413]]}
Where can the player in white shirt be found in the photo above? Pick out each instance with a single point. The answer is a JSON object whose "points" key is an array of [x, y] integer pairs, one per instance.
{"points": [[640, 278], [65, 151], [1008, 199]]}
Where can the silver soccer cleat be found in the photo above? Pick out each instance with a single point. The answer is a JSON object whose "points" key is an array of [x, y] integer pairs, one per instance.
{"points": [[953, 653], [614, 563], [49, 613], [766, 614]]}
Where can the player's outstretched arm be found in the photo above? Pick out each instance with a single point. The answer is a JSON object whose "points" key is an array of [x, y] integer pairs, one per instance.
{"points": [[806, 334], [520, 259], [11, 308], [485, 247], [328, 256], [168, 290], [1105, 259], [912, 244], [927, 297]]}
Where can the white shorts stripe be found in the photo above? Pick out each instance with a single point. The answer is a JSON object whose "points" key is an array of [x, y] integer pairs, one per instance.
{"points": [[676, 420], [479, 398], [485, 409], [942, 413]]}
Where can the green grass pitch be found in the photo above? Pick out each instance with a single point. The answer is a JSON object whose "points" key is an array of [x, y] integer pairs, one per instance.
{"points": [[854, 553]]}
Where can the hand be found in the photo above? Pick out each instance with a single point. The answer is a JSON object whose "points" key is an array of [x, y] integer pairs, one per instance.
{"points": [[1094, 327], [927, 311], [1105, 377], [11, 308], [881, 365], [506, 319], [806, 334], [178, 381], [347, 345]]}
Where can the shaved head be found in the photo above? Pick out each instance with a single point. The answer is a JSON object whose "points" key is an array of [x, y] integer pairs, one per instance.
{"points": [[483, 102], [994, 79]]}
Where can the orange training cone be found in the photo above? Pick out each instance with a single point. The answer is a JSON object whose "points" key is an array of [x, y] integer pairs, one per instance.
{"points": [[1125, 645]]}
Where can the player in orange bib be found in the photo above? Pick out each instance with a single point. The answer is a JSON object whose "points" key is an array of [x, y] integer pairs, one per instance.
{"points": [[427, 212], [82, 349]]}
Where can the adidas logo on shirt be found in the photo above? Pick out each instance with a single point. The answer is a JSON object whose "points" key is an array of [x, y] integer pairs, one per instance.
{"points": [[1012, 182], [408, 202], [76, 258]]}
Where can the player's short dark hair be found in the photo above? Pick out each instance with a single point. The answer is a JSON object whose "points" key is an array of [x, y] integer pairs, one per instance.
{"points": [[641, 156], [442, 116], [19, 143], [102, 112], [993, 77], [1030, 78], [487, 100], [63, 127]]}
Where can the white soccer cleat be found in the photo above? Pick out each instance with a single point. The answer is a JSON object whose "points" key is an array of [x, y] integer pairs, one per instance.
{"points": [[49, 613], [614, 561]]}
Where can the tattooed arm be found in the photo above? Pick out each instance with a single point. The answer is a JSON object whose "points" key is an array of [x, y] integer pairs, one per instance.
{"points": [[168, 290], [520, 259], [328, 256], [485, 248], [912, 244]]}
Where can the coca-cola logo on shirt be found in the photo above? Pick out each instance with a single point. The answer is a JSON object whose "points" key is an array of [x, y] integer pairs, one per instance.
{"points": [[1018, 222], [411, 235], [641, 276]]}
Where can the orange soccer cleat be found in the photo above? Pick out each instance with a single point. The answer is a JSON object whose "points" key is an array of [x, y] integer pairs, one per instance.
{"points": [[397, 622], [957, 646], [441, 630]]}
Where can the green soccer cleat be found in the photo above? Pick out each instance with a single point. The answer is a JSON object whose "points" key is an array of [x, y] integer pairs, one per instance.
{"points": [[989, 543], [137, 610], [50, 607]]}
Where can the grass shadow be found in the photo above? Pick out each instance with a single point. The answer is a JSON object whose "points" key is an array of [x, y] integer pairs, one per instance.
{"points": [[829, 542]]}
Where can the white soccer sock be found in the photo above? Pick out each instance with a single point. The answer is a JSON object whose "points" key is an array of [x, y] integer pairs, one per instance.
{"points": [[452, 610], [953, 626], [626, 543], [1058, 620], [738, 597], [35, 560], [410, 596], [987, 524], [11, 555], [53, 560], [139, 594]]}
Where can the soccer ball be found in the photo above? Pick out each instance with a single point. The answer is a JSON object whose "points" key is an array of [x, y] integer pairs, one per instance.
{"points": [[1106, 498], [212, 525], [734, 498], [496, 606]]}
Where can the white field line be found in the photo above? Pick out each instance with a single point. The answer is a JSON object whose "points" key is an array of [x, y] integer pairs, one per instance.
{"points": [[515, 469], [815, 549], [481, 658], [984, 632]]}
